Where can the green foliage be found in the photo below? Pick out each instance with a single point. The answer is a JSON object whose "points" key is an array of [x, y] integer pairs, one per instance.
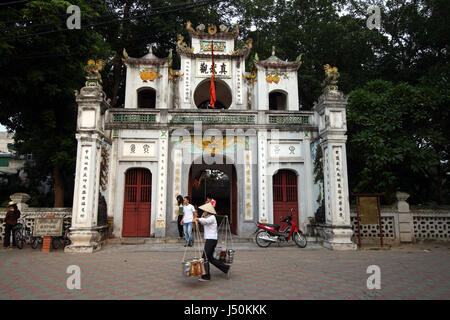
{"points": [[398, 139], [37, 81]]}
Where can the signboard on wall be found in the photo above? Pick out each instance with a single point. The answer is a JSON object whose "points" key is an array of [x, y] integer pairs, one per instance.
{"points": [[222, 68], [368, 210], [285, 151], [48, 227]]}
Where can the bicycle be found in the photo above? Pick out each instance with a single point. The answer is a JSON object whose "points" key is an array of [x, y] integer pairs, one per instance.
{"points": [[22, 233], [61, 241]]}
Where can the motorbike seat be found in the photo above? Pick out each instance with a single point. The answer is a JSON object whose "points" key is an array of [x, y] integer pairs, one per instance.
{"points": [[275, 226]]}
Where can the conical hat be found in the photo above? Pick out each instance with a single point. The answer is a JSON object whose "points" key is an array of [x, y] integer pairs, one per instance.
{"points": [[208, 208]]}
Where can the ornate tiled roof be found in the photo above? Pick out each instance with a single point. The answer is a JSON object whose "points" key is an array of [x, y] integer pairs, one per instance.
{"points": [[148, 59], [274, 62]]}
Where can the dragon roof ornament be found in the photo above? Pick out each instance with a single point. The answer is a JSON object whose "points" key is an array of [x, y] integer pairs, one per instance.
{"points": [[211, 31]]}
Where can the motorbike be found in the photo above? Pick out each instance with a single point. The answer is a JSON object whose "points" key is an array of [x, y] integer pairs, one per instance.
{"points": [[266, 233]]}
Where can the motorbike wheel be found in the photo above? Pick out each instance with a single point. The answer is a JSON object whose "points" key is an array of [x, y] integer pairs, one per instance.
{"points": [[261, 242], [36, 243], [300, 239], [19, 239]]}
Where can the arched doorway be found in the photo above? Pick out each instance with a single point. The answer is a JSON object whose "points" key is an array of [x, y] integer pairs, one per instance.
{"points": [[285, 196], [137, 203], [219, 180], [277, 100], [147, 98], [202, 95]]}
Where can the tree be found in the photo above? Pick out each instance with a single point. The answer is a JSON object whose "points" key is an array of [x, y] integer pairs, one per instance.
{"points": [[41, 65], [398, 140]]}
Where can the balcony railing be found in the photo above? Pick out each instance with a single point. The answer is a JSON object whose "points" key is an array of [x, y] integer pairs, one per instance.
{"points": [[142, 118]]}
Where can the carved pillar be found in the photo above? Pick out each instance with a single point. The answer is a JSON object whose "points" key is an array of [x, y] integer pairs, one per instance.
{"points": [[262, 177], [84, 232], [160, 230], [337, 231], [405, 218]]}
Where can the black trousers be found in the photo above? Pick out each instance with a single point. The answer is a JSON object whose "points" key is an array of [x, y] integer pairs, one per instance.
{"points": [[210, 245], [180, 227], [8, 231]]}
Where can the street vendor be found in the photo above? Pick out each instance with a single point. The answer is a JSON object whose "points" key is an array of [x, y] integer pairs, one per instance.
{"points": [[209, 222]]}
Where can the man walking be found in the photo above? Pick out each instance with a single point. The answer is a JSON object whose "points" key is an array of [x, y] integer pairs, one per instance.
{"points": [[186, 222]]}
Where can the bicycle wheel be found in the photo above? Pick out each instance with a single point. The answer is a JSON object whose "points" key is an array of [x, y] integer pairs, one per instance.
{"points": [[19, 239], [37, 242], [57, 243], [300, 239]]}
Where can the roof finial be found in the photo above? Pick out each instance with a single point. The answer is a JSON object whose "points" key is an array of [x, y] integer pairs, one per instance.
{"points": [[273, 50], [150, 50]]}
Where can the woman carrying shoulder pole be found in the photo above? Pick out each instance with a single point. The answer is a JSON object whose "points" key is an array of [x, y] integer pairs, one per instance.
{"points": [[209, 223]]}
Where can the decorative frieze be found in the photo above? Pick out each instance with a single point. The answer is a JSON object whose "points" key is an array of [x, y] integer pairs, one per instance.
{"points": [[213, 119], [133, 118], [288, 119]]}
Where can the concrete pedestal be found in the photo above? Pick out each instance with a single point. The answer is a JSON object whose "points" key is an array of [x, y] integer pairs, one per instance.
{"points": [[84, 240], [337, 238]]}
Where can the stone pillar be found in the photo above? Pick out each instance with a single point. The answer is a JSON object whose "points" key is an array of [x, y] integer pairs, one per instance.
{"points": [[405, 218], [84, 231], [262, 177], [330, 109], [160, 230]]}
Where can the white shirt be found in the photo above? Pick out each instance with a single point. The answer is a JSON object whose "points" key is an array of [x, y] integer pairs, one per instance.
{"points": [[210, 227], [188, 213]]}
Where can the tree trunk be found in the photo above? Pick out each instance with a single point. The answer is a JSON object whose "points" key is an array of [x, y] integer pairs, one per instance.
{"points": [[117, 70], [58, 188], [117, 61]]}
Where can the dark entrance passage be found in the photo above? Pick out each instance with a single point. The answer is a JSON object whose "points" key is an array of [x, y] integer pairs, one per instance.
{"points": [[285, 199], [137, 203], [220, 181]]}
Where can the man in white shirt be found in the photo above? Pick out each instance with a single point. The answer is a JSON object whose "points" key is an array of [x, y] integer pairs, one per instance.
{"points": [[209, 223], [188, 217]]}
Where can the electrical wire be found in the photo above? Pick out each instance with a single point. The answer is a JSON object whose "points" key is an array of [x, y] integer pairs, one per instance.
{"points": [[13, 2], [173, 7], [65, 15]]}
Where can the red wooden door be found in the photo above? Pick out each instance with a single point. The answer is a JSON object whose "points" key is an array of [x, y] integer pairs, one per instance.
{"points": [[285, 199], [137, 203]]}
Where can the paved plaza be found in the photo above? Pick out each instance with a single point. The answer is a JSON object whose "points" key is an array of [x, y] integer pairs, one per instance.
{"points": [[154, 272]]}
